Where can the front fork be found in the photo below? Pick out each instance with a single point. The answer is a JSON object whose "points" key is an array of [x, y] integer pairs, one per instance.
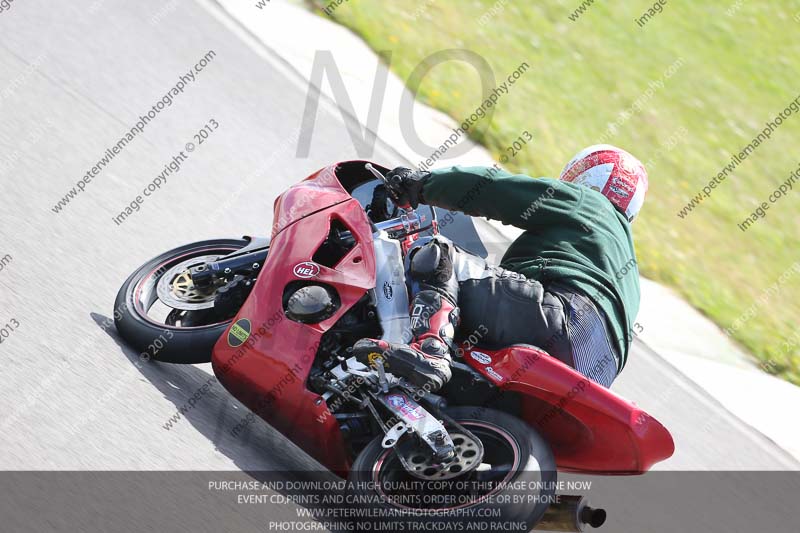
{"points": [[249, 259]]}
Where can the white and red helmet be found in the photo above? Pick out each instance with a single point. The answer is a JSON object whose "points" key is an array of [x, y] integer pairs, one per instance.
{"points": [[615, 173]]}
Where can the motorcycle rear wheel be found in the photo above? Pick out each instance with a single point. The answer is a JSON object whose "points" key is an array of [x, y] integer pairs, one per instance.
{"points": [[515, 456], [181, 337]]}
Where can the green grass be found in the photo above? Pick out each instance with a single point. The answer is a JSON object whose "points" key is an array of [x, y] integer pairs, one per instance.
{"points": [[736, 73]]}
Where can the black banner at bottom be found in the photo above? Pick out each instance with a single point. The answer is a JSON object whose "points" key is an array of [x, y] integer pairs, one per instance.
{"points": [[663, 502]]}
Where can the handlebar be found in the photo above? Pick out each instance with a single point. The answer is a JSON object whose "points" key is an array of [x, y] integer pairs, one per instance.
{"points": [[377, 173], [409, 223]]}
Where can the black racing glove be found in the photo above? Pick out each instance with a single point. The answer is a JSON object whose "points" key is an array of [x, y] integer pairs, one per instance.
{"points": [[405, 185]]}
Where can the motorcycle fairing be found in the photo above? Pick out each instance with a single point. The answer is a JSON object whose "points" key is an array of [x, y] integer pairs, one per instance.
{"points": [[590, 428], [268, 372], [327, 187]]}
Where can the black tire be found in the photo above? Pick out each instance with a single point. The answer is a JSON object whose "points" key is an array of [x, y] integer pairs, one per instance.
{"points": [[161, 342], [535, 467]]}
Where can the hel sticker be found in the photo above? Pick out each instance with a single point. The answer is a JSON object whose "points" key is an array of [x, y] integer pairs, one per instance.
{"points": [[491, 371], [407, 409], [481, 357], [306, 270], [239, 333]]}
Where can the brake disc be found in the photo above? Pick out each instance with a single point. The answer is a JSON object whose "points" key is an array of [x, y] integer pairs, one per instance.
{"points": [[177, 290], [420, 462]]}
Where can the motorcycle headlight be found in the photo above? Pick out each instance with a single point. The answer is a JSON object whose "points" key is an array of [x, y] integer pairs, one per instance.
{"points": [[311, 304]]}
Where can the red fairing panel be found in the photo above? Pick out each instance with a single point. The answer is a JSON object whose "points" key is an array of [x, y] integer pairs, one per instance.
{"points": [[268, 373], [590, 428], [320, 190]]}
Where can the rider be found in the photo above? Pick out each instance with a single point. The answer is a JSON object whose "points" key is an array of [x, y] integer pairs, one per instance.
{"points": [[569, 284]]}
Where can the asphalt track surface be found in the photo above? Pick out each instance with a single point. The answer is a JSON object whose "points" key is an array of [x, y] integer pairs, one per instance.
{"points": [[74, 77]]}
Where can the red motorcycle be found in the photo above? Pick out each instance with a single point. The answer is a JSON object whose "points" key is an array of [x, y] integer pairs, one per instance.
{"points": [[278, 319]]}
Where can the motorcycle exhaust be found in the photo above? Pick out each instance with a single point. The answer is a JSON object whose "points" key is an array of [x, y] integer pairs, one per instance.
{"points": [[571, 513]]}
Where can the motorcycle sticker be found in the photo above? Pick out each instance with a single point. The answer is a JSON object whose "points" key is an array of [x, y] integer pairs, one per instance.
{"points": [[375, 358], [387, 290], [239, 333], [409, 410], [492, 372], [306, 270], [481, 357]]}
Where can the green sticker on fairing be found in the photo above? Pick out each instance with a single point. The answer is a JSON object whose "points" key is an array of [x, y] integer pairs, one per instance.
{"points": [[239, 333]]}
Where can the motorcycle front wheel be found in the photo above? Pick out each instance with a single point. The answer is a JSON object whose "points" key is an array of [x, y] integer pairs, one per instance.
{"points": [[514, 484], [160, 313]]}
